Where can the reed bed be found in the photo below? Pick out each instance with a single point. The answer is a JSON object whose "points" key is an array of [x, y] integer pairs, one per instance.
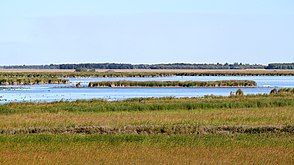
{"points": [[153, 104], [285, 91], [30, 81], [147, 73], [225, 83]]}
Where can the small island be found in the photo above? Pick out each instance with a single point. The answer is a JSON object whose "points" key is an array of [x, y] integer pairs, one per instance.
{"points": [[31, 81], [182, 84]]}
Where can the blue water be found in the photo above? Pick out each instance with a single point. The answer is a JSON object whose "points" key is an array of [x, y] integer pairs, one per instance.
{"points": [[49, 93]]}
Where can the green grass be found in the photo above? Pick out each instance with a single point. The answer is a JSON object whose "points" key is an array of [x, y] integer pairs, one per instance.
{"points": [[265, 140], [253, 129], [276, 116], [147, 104]]}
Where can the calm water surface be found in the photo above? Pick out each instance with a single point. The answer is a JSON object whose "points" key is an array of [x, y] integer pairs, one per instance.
{"points": [[48, 93]]}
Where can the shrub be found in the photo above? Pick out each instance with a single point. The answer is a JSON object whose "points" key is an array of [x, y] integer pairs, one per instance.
{"points": [[274, 92], [239, 92]]}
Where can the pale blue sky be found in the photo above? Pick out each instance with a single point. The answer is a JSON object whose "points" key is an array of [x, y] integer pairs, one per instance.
{"points": [[146, 31]]}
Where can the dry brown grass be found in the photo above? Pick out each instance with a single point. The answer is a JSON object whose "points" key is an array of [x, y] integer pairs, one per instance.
{"points": [[218, 149], [244, 116], [142, 154]]}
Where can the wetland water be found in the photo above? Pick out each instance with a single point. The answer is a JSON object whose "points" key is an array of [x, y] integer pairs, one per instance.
{"points": [[53, 92]]}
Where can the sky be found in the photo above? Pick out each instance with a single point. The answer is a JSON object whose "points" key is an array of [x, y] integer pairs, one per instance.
{"points": [[146, 31]]}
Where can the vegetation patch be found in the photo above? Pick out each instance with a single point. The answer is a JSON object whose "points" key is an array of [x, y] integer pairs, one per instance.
{"points": [[240, 129], [225, 83], [30, 81], [154, 130], [146, 149], [155, 104], [145, 73], [282, 91]]}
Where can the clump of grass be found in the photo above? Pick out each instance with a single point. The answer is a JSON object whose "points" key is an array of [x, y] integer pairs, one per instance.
{"points": [[274, 92], [286, 91], [239, 92], [282, 91]]}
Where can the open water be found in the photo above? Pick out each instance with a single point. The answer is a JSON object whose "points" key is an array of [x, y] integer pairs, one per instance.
{"points": [[52, 92]]}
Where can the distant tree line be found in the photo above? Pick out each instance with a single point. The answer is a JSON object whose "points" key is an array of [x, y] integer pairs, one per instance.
{"points": [[154, 66], [138, 66], [280, 66]]}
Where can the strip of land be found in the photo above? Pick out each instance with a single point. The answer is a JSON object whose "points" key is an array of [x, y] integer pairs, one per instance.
{"points": [[122, 84], [141, 73], [174, 129], [148, 70], [31, 81]]}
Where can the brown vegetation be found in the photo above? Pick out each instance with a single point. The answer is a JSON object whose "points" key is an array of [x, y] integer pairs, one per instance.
{"points": [[225, 83]]}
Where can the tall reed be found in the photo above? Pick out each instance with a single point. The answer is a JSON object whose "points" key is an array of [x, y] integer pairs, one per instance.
{"points": [[225, 83], [147, 104]]}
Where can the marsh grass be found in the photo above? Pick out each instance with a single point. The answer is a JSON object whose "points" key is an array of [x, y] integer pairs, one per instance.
{"points": [[30, 81], [267, 137], [142, 149], [171, 129], [149, 104], [201, 117], [225, 83], [146, 73]]}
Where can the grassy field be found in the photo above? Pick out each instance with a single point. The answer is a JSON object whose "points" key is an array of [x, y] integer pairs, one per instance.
{"points": [[210, 130], [138, 149]]}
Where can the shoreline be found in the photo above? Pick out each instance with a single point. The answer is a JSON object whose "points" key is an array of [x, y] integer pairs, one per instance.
{"points": [[142, 73]]}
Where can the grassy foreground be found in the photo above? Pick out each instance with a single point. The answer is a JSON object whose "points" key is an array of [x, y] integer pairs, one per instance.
{"points": [[138, 149], [210, 130]]}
